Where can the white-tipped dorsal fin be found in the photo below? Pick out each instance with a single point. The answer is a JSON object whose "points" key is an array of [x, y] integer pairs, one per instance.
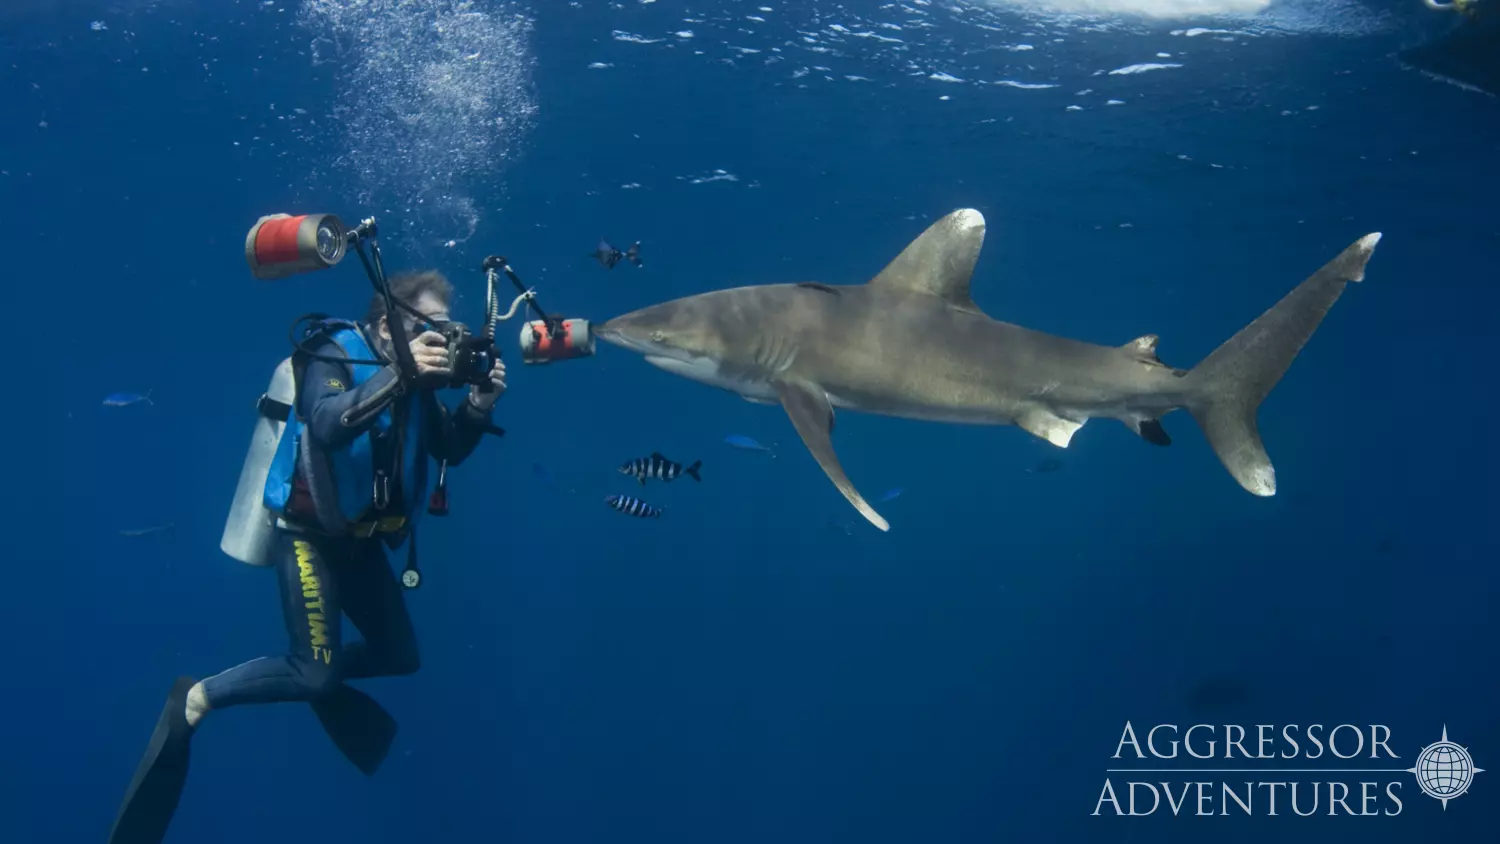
{"points": [[1144, 346], [940, 261], [1143, 349]]}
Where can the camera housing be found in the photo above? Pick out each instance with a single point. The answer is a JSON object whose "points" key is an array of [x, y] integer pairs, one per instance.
{"points": [[470, 356]]}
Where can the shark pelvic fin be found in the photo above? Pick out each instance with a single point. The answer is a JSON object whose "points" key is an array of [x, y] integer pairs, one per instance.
{"points": [[940, 262], [812, 415], [1041, 422]]}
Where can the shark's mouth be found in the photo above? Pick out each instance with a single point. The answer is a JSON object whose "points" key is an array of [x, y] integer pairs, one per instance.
{"points": [[687, 366], [654, 352], [703, 369], [616, 337]]}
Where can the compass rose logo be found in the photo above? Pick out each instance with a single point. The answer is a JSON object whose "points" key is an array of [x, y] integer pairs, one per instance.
{"points": [[1444, 770]]}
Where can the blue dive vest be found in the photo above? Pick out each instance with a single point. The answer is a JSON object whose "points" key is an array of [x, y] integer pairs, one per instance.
{"points": [[353, 465]]}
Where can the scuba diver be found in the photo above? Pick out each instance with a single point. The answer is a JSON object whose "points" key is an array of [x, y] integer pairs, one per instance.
{"points": [[349, 477]]}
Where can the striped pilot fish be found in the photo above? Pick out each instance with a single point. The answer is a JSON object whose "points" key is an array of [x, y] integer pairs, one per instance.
{"points": [[633, 507], [659, 467]]}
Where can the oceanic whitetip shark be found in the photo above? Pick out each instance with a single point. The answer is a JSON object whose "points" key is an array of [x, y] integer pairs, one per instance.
{"points": [[911, 343]]}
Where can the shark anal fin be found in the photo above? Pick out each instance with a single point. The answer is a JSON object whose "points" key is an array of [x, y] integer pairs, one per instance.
{"points": [[940, 262], [1149, 430], [812, 415], [1041, 422]]}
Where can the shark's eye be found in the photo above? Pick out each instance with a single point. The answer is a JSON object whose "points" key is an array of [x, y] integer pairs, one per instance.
{"points": [[659, 336]]}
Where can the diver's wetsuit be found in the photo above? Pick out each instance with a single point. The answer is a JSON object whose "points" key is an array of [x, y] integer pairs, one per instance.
{"points": [[321, 575]]}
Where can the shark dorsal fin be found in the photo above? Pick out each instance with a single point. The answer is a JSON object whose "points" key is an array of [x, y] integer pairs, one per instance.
{"points": [[940, 261], [1143, 347]]}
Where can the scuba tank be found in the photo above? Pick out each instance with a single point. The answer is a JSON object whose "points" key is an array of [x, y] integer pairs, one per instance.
{"points": [[250, 528]]}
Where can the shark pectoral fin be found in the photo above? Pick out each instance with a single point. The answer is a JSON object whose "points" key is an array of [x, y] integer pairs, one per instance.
{"points": [[1041, 422], [940, 262], [811, 414]]}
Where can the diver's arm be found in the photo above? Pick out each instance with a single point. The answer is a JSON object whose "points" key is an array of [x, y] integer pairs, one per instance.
{"points": [[455, 434], [336, 414]]}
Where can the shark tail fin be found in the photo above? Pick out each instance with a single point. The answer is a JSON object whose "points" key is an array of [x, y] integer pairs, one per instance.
{"points": [[693, 470], [1225, 390]]}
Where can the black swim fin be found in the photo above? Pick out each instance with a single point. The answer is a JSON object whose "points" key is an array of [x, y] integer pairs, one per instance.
{"points": [[158, 782], [359, 726]]}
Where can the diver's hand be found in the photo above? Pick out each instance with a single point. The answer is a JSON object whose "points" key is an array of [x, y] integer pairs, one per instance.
{"points": [[483, 401], [430, 352]]}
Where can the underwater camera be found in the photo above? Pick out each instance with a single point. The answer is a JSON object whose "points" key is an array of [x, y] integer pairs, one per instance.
{"points": [[469, 357], [283, 245]]}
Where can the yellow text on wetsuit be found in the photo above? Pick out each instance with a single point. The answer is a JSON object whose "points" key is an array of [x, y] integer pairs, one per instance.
{"points": [[312, 591]]}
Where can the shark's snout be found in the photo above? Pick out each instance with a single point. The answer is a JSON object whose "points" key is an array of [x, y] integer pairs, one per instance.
{"points": [[618, 333], [646, 332], [607, 332]]}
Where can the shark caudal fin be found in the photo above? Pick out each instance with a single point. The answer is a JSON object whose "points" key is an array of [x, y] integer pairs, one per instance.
{"points": [[1226, 388]]}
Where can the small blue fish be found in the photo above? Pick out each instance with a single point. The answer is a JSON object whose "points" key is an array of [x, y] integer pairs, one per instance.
{"points": [[127, 399], [134, 532], [743, 442], [889, 494], [633, 507]]}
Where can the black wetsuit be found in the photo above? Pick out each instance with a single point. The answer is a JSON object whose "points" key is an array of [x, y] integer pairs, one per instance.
{"points": [[322, 576]]}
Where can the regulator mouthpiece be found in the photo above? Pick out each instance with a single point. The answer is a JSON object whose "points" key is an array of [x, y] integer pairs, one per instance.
{"points": [[281, 245]]}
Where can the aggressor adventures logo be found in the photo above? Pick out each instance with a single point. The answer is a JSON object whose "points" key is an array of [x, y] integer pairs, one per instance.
{"points": [[1444, 770]]}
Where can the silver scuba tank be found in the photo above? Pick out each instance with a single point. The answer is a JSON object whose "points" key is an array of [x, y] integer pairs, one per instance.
{"points": [[250, 528]]}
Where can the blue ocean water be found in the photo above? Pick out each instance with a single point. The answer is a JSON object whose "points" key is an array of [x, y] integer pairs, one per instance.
{"points": [[760, 664]]}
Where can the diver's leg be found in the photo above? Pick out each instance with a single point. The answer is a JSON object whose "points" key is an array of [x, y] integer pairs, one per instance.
{"points": [[310, 604], [308, 672], [359, 726], [373, 600]]}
